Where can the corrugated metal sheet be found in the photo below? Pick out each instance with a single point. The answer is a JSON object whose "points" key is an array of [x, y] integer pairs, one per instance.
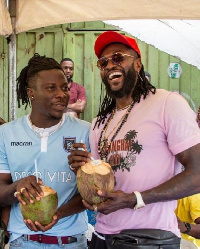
{"points": [[77, 41]]}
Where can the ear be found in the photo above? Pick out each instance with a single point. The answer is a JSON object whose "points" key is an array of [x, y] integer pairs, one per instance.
{"points": [[30, 93], [137, 65]]}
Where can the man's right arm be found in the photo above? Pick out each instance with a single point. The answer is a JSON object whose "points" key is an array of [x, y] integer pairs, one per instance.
{"points": [[31, 188], [8, 187]]}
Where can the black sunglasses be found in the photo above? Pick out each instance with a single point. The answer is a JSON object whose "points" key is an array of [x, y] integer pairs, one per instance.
{"points": [[116, 58]]}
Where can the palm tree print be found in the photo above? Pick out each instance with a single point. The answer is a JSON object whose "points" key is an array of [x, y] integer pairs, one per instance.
{"points": [[133, 149]]}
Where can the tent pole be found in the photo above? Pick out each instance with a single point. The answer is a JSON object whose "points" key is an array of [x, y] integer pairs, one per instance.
{"points": [[12, 63]]}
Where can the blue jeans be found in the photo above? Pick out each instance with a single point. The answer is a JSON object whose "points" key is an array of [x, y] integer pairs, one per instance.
{"points": [[22, 243]]}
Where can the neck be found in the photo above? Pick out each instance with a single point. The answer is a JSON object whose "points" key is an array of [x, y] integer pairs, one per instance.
{"points": [[44, 122], [123, 102]]}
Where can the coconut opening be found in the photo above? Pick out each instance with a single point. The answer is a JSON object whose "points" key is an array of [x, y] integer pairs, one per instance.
{"points": [[47, 190], [91, 168]]}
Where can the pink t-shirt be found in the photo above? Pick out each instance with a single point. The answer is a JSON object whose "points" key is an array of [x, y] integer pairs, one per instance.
{"points": [[143, 156]]}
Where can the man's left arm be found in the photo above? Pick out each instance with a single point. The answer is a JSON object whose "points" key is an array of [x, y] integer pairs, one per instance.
{"points": [[184, 184]]}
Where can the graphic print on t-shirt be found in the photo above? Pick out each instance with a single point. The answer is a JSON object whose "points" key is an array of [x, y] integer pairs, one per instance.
{"points": [[68, 142], [129, 146]]}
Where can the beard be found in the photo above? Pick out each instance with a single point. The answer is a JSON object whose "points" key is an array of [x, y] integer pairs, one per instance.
{"points": [[69, 78], [127, 88]]}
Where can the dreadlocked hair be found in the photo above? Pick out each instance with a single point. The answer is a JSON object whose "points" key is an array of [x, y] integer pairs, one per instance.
{"points": [[142, 88], [36, 64]]}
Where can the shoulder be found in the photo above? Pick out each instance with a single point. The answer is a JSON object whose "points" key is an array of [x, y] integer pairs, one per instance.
{"points": [[78, 86], [166, 99], [76, 121], [169, 95], [9, 125]]}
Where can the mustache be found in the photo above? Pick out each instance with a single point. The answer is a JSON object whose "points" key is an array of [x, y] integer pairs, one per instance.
{"points": [[128, 84]]}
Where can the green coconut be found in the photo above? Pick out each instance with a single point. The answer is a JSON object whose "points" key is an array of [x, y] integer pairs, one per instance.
{"points": [[43, 210], [93, 176]]}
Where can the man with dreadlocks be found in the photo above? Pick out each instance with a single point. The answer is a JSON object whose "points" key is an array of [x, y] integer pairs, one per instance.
{"points": [[45, 137], [145, 134]]}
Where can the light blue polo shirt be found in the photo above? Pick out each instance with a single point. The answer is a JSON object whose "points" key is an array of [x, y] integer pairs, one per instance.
{"points": [[20, 147]]}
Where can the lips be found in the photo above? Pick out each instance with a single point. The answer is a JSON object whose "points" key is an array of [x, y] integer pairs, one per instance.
{"points": [[114, 75], [60, 106]]}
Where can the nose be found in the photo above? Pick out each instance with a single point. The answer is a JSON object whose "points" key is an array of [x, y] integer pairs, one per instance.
{"points": [[61, 94]]}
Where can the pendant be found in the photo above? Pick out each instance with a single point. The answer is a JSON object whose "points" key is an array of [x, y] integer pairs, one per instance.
{"points": [[104, 148], [103, 144]]}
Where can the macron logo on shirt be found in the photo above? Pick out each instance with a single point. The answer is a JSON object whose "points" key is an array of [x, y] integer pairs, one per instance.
{"points": [[21, 143]]}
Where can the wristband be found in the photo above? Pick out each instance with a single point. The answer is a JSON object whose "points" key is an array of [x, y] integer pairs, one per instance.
{"points": [[188, 227], [140, 203]]}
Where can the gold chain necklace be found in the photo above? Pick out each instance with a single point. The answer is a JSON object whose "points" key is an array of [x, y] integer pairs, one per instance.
{"points": [[112, 130], [103, 143], [124, 107], [38, 135], [113, 113]]}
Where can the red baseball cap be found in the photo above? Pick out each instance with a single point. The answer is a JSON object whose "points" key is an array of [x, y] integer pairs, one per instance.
{"points": [[109, 37]]}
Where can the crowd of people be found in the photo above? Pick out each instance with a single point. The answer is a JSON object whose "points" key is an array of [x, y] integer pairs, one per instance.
{"points": [[137, 131]]}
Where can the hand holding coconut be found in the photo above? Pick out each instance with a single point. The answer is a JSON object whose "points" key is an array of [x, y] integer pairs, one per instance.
{"points": [[114, 201], [77, 157], [29, 187], [38, 204], [95, 181]]}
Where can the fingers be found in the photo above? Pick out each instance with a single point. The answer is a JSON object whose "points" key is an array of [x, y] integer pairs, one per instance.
{"points": [[38, 227], [87, 205], [76, 146], [29, 188], [78, 157], [95, 208]]}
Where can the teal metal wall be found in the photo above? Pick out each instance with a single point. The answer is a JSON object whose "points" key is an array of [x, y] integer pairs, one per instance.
{"points": [[76, 41]]}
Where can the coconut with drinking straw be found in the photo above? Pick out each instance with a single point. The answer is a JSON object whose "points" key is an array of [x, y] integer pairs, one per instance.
{"points": [[42, 210], [93, 176]]}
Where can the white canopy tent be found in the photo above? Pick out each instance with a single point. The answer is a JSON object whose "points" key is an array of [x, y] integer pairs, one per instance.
{"points": [[5, 20], [39, 13]]}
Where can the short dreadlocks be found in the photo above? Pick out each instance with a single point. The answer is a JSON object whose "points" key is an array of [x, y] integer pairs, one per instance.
{"points": [[36, 64], [142, 88]]}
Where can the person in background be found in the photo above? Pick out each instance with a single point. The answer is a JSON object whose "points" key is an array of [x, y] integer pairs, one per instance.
{"points": [[146, 141], [188, 213], [148, 76], [77, 101], [45, 136]]}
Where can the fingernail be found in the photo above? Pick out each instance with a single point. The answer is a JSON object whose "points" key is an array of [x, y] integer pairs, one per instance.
{"points": [[100, 192]]}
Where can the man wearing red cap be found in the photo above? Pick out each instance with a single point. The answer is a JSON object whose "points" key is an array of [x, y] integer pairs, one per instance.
{"points": [[145, 134]]}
